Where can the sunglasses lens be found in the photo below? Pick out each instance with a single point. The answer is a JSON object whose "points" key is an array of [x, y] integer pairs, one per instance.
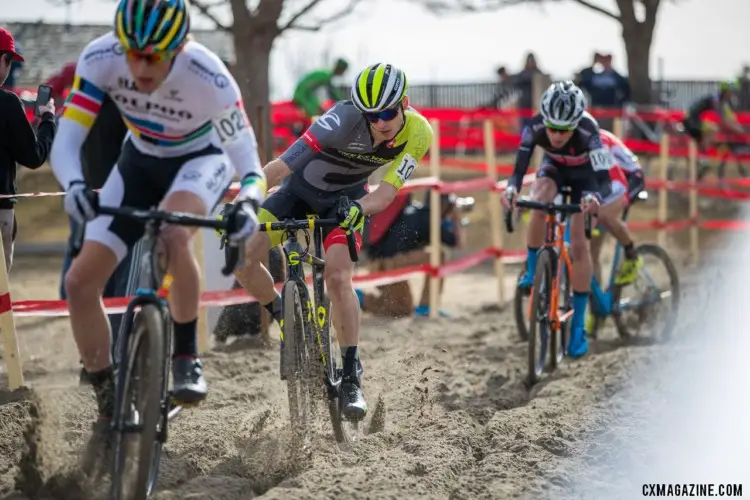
{"points": [[151, 58], [386, 115]]}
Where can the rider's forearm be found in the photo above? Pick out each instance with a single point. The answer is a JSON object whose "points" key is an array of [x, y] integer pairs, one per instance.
{"points": [[379, 199], [521, 166], [276, 170]]}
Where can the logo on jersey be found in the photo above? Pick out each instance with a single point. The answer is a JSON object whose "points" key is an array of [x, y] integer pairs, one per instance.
{"points": [[172, 95], [127, 84], [329, 120], [221, 81], [99, 54], [152, 108], [218, 79]]}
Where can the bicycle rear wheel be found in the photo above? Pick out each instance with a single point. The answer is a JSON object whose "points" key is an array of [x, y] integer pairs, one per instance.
{"points": [[136, 446], [540, 321], [296, 361], [656, 296]]}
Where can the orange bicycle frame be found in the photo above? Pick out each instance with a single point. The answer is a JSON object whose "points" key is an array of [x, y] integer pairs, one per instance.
{"points": [[555, 238]]}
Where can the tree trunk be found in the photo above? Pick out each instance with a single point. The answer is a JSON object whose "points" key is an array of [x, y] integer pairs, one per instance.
{"points": [[253, 53], [638, 50]]}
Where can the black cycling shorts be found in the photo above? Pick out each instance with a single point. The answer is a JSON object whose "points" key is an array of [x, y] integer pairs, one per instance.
{"points": [[143, 181], [581, 179]]}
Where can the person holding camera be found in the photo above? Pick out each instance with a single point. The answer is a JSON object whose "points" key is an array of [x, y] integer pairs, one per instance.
{"points": [[20, 144]]}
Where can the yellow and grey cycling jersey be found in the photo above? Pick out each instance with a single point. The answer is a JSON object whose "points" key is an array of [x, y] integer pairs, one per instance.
{"points": [[335, 155]]}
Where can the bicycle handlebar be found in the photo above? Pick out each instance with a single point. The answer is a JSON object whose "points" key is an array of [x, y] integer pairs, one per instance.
{"points": [[302, 224], [228, 224], [551, 209]]}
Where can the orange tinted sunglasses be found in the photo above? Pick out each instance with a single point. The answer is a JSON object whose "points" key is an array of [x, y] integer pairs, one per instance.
{"points": [[149, 57]]}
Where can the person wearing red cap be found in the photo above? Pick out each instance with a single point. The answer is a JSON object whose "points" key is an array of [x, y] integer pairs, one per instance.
{"points": [[19, 142]]}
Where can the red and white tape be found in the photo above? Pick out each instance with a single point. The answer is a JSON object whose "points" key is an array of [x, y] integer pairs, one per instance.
{"points": [[28, 308]]}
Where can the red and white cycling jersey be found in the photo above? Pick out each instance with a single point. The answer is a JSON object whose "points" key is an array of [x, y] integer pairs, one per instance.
{"points": [[626, 162]]}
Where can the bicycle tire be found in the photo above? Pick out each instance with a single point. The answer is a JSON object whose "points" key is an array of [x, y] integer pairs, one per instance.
{"points": [[332, 379], [540, 317], [146, 348], [559, 338], [674, 282], [520, 309], [296, 361]]}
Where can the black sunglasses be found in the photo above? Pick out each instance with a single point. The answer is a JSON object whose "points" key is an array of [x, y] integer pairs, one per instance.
{"points": [[386, 115]]}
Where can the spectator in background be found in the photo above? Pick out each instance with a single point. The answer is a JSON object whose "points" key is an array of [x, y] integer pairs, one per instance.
{"points": [[305, 94], [19, 142], [523, 82], [607, 89], [504, 88], [743, 82], [16, 66]]}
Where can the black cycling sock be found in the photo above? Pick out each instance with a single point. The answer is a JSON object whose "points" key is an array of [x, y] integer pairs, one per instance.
{"points": [[186, 338], [274, 308], [350, 355], [630, 252]]}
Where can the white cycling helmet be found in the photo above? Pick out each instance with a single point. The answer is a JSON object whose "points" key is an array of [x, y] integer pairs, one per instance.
{"points": [[563, 105]]}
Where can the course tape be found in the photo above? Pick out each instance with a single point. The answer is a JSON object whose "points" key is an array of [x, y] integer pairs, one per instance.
{"points": [[28, 308]]}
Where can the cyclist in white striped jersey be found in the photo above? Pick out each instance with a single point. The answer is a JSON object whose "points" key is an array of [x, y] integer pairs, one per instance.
{"points": [[187, 132]]}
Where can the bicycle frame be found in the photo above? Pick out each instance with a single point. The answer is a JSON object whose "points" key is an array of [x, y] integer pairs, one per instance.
{"points": [[554, 238], [296, 256], [556, 232]]}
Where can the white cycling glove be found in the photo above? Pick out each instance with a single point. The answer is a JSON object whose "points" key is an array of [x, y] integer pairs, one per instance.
{"points": [[249, 226], [251, 195], [78, 203]]}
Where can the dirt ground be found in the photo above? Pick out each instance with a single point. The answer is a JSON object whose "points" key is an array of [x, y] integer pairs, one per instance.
{"points": [[460, 423]]}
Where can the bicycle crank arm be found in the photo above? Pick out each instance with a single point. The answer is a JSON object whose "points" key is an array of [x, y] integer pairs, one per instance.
{"points": [[176, 410]]}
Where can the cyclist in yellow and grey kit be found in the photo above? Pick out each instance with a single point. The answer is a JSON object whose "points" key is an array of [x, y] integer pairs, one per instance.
{"points": [[334, 158]]}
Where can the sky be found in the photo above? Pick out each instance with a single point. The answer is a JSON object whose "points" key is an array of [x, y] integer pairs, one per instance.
{"points": [[695, 39]]}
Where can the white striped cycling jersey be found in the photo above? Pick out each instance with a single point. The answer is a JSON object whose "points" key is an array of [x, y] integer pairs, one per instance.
{"points": [[199, 104]]}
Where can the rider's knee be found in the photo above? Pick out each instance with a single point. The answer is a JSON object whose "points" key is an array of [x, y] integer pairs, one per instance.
{"points": [[79, 284], [544, 191], [338, 281], [176, 238], [579, 246], [256, 249]]}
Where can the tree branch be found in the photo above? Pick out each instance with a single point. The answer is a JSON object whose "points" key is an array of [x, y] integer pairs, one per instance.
{"points": [[598, 9], [322, 22], [442, 6], [205, 11], [295, 17]]}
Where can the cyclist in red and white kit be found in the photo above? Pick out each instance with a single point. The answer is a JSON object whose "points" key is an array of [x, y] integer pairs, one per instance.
{"points": [[627, 181]]}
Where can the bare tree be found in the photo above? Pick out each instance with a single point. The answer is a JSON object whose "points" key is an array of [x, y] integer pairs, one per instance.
{"points": [[255, 28], [636, 17]]}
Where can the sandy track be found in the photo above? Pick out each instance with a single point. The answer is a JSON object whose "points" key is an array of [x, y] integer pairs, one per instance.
{"points": [[460, 423]]}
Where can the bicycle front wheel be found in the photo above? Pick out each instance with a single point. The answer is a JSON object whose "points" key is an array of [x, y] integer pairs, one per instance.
{"points": [[521, 308], [650, 304], [559, 339], [540, 329], [296, 361], [136, 445]]}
